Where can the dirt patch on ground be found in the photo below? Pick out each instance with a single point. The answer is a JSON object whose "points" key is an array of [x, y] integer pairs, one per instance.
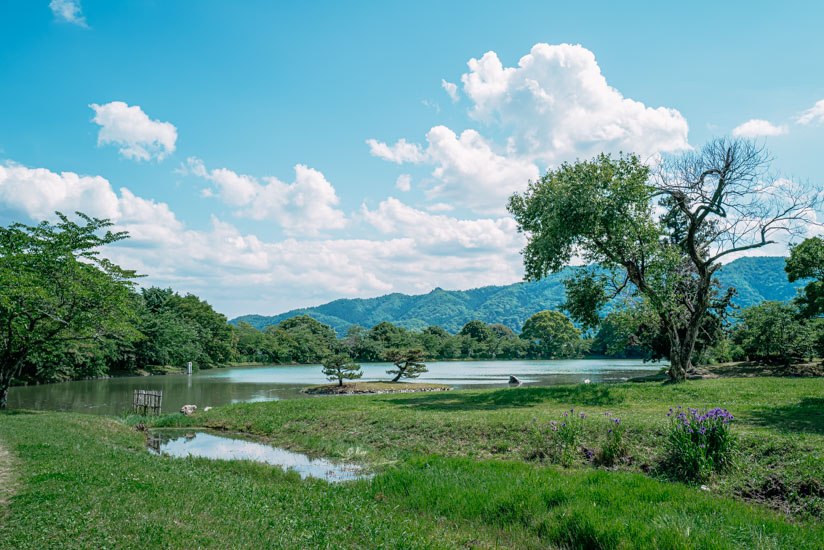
{"points": [[7, 479], [374, 387], [751, 369]]}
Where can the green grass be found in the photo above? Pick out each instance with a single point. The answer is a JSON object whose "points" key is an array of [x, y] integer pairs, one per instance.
{"points": [[450, 474], [779, 421], [86, 482]]}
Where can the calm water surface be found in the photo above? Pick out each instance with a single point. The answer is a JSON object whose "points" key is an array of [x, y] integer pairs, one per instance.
{"points": [[208, 444], [216, 387]]}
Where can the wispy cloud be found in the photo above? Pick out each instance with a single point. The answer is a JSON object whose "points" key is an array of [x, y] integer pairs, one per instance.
{"points": [[68, 11], [813, 114]]}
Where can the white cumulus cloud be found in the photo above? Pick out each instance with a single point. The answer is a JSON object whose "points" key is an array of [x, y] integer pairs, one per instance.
{"points": [[554, 106], [758, 128], [471, 172], [442, 234], [813, 114], [304, 207], [69, 11], [138, 136], [241, 273], [557, 106], [39, 192]]}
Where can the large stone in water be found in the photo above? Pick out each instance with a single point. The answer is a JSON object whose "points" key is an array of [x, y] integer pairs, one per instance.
{"points": [[188, 410], [514, 380]]}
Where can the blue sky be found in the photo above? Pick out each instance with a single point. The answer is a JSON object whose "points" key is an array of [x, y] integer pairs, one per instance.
{"points": [[252, 149]]}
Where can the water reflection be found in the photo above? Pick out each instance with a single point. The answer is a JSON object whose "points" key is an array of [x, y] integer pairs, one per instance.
{"points": [[206, 444], [243, 384]]}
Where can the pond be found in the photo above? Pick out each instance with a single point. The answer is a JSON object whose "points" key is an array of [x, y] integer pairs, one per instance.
{"points": [[214, 387], [209, 444]]}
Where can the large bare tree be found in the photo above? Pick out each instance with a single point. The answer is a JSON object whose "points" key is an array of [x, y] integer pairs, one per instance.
{"points": [[659, 234]]}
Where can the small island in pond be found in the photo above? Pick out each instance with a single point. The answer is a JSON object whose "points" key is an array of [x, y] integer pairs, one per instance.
{"points": [[374, 387]]}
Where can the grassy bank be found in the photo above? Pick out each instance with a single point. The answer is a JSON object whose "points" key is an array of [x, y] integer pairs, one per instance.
{"points": [[86, 482], [450, 473], [779, 422]]}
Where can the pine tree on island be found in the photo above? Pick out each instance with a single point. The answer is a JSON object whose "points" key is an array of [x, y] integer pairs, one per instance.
{"points": [[339, 367], [409, 363]]}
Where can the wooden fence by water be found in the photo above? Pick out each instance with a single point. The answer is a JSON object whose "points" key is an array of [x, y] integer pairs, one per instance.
{"points": [[147, 401]]}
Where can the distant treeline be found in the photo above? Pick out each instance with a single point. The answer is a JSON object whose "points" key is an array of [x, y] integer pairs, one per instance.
{"points": [[170, 330]]}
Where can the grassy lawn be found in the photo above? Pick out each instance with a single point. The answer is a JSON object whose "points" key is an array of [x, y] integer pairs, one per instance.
{"points": [[450, 473], [779, 421]]}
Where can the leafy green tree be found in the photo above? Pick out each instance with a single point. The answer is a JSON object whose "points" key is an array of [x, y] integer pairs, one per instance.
{"points": [[389, 336], [718, 201], [167, 339], [339, 367], [432, 339], [773, 331], [251, 344], [58, 292], [409, 363], [806, 261], [302, 339], [551, 334], [477, 330], [215, 335]]}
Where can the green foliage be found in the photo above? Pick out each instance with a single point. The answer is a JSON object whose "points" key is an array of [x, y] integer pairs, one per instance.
{"points": [[806, 261], [551, 334], [615, 447], [83, 477], [59, 300], [604, 210], [586, 297], [477, 330], [300, 339], [409, 363], [340, 367], [558, 441], [773, 331], [215, 336], [699, 443]]}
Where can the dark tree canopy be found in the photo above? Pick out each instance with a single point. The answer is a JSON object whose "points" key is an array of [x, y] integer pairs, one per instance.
{"points": [[551, 334], [806, 261], [58, 294], [717, 201]]}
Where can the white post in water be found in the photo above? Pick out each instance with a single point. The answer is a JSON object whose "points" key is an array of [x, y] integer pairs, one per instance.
{"points": [[189, 367]]}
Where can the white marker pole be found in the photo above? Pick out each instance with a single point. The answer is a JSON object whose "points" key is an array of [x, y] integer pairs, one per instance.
{"points": [[189, 366]]}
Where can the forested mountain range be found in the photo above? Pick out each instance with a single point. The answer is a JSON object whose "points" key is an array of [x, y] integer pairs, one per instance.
{"points": [[755, 278]]}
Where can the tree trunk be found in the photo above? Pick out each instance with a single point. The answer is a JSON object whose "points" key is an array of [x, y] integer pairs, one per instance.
{"points": [[4, 391], [340, 381], [398, 376]]}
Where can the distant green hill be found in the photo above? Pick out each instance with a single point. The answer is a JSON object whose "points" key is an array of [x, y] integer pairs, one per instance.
{"points": [[755, 278]]}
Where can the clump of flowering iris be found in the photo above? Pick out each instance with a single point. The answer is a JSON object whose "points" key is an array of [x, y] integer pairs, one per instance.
{"points": [[556, 441], [699, 442], [614, 448]]}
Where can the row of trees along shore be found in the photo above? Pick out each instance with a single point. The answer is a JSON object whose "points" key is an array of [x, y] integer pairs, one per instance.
{"points": [[654, 239]]}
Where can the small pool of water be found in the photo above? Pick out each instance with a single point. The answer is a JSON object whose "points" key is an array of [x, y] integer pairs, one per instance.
{"points": [[208, 444]]}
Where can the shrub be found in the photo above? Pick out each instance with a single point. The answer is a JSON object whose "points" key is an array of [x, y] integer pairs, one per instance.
{"points": [[615, 448], [699, 443], [556, 441]]}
